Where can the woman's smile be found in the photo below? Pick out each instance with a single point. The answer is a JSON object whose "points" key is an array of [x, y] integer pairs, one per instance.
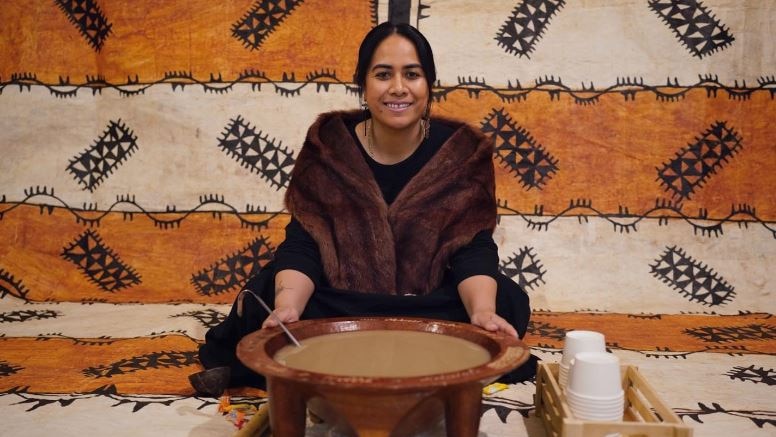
{"points": [[397, 106], [396, 89]]}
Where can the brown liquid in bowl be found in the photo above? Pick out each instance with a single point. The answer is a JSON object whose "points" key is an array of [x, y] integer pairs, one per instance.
{"points": [[383, 353]]}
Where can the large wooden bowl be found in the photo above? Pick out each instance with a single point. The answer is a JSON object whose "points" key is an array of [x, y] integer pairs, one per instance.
{"points": [[378, 406]]}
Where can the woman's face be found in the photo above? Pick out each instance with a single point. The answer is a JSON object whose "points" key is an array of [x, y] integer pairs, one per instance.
{"points": [[396, 89]]}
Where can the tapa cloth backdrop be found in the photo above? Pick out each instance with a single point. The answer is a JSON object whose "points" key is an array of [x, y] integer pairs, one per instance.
{"points": [[145, 148]]}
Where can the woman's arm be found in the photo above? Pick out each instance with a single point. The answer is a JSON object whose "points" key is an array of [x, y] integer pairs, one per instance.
{"points": [[478, 294], [474, 266], [292, 291], [299, 269]]}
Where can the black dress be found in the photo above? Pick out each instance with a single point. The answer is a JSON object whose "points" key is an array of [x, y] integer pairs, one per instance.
{"points": [[299, 252]]}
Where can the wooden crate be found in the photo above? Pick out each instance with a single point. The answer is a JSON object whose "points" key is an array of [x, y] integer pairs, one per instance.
{"points": [[645, 414]]}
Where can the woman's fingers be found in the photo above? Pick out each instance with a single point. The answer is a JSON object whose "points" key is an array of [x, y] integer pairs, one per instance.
{"points": [[269, 322], [506, 327], [492, 322], [286, 315]]}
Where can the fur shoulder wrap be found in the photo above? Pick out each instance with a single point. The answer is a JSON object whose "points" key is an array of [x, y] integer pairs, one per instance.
{"points": [[369, 246]]}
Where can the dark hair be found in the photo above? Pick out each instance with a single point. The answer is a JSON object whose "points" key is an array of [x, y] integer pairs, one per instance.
{"points": [[383, 31]]}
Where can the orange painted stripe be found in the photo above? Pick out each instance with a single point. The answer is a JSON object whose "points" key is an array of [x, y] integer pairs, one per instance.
{"points": [[65, 365], [150, 38], [141, 365], [608, 152], [676, 333], [165, 259]]}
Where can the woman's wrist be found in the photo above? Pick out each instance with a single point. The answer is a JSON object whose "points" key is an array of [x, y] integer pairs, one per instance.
{"points": [[292, 290]]}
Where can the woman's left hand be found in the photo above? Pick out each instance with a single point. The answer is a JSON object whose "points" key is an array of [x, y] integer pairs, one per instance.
{"points": [[490, 321]]}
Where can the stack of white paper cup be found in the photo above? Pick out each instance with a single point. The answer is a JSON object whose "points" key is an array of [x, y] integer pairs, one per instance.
{"points": [[576, 342], [594, 390]]}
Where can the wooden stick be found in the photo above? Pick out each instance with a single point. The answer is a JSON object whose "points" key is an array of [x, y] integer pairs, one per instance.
{"points": [[640, 405], [649, 393], [258, 425]]}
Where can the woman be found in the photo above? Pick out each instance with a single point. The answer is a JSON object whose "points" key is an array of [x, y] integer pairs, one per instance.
{"points": [[392, 214]]}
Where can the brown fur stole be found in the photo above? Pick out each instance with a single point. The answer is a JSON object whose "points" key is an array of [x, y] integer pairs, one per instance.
{"points": [[369, 246]]}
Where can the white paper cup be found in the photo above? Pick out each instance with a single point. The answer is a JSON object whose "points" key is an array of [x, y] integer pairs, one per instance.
{"points": [[589, 409], [583, 406], [595, 376], [607, 416], [563, 375], [581, 341], [586, 402], [613, 417], [594, 405]]}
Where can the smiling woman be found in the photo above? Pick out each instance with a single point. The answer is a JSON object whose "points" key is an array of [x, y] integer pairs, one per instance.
{"points": [[397, 92], [393, 213]]}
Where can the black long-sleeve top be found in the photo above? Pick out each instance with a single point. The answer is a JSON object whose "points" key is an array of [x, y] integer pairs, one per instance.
{"points": [[480, 257]]}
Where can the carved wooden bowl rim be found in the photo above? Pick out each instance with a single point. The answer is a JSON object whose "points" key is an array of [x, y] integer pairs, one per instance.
{"points": [[256, 351]]}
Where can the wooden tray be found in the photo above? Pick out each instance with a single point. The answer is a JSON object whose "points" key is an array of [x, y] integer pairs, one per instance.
{"points": [[645, 413]]}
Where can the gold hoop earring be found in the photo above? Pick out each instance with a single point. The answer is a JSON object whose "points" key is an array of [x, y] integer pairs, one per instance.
{"points": [[427, 121], [365, 108]]}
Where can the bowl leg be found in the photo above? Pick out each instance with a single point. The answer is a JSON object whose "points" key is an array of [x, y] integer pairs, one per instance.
{"points": [[287, 409], [462, 410]]}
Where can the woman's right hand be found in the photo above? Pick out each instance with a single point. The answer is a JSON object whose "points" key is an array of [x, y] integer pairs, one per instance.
{"points": [[285, 314], [292, 291]]}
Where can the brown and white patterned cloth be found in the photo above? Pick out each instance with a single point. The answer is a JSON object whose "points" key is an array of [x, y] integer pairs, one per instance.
{"points": [[145, 148]]}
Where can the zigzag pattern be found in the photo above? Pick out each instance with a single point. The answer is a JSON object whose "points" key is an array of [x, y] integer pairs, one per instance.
{"points": [[525, 27], [694, 165], [23, 396], [628, 87], [99, 263], [694, 25], [88, 19], [137, 402], [261, 20], [740, 215], [694, 280], [96, 163], [660, 353], [257, 152], [546, 330], [24, 315], [83, 215], [235, 270], [144, 362], [626, 222], [734, 333], [100, 341], [518, 151]]}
